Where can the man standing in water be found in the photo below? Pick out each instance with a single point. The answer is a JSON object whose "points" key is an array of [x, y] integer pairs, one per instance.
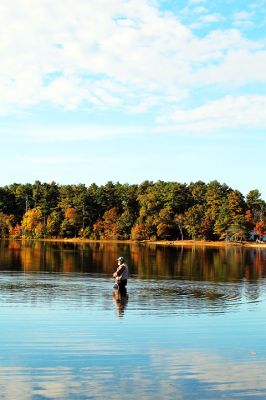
{"points": [[121, 274]]}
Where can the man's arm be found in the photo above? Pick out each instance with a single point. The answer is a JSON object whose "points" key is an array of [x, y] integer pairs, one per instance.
{"points": [[120, 270]]}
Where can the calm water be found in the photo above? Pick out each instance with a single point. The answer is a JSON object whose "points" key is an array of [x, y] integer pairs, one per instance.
{"points": [[191, 325]]}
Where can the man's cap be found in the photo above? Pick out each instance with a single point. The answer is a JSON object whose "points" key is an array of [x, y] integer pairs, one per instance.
{"points": [[120, 259]]}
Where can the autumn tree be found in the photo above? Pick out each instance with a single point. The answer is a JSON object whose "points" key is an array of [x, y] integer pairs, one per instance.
{"points": [[110, 218], [150, 204], [69, 225], [15, 232], [53, 224], [176, 196], [151, 210], [140, 232], [256, 205], [260, 229], [237, 231], [214, 198], [108, 196], [198, 192], [32, 224], [194, 221], [215, 193], [166, 227], [107, 227], [231, 218]]}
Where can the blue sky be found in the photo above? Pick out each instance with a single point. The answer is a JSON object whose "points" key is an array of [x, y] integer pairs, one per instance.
{"points": [[129, 90]]}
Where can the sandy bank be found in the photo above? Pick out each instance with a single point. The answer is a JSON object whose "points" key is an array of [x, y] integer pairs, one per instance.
{"points": [[177, 243]]}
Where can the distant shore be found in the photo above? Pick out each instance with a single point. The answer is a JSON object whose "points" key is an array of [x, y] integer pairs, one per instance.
{"points": [[175, 243], [203, 243]]}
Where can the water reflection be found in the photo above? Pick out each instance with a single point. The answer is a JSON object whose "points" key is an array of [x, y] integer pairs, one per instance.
{"points": [[120, 298], [200, 263], [242, 268], [190, 326], [188, 375]]}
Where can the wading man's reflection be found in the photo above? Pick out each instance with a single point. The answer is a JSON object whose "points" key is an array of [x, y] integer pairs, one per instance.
{"points": [[120, 298]]}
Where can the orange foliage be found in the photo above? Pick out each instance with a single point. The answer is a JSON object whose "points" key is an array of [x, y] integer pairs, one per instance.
{"points": [[139, 232], [71, 214], [107, 228], [15, 232], [249, 216], [32, 223], [260, 228]]}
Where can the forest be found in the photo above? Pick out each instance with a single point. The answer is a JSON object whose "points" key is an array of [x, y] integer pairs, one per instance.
{"points": [[147, 211]]}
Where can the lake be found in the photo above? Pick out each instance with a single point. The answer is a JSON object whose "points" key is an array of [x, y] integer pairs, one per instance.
{"points": [[191, 325]]}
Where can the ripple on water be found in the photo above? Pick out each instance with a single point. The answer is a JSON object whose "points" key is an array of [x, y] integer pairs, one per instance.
{"points": [[61, 338], [175, 296]]}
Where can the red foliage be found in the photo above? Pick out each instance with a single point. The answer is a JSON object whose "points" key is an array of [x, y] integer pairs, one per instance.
{"points": [[249, 216], [260, 228], [16, 231]]}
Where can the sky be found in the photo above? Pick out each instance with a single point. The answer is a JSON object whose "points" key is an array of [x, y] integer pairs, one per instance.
{"points": [[133, 90]]}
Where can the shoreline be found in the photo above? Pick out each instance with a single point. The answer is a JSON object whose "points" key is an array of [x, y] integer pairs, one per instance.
{"points": [[174, 243]]}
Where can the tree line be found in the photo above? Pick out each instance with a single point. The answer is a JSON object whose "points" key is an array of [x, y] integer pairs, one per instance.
{"points": [[148, 211]]}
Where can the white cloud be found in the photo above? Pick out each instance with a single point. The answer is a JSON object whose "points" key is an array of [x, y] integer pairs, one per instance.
{"points": [[196, 1], [204, 19], [123, 41], [244, 15], [243, 377], [69, 133], [241, 112], [228, 112], [211, 18], [243, 19], [200, 10], [244, 24], [113, 54], [236, 68]]}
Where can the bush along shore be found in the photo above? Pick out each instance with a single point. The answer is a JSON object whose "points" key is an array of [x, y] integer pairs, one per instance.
{"points": [[169, 212]]}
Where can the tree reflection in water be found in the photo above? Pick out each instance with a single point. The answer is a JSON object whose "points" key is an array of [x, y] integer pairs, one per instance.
{"points": [[221, 264], [194, 326]]}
